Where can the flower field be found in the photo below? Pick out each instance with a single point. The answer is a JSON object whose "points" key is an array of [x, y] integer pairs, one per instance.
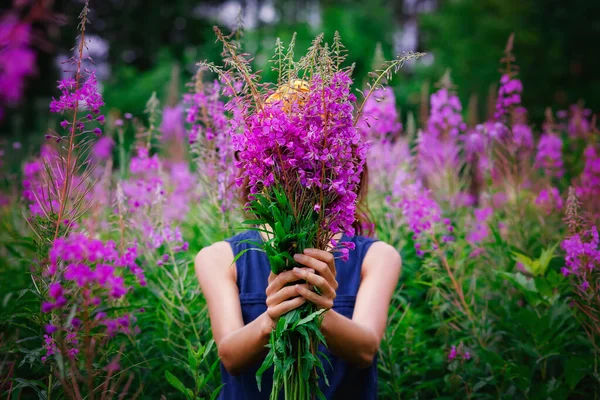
{"points": [[496, 222]]}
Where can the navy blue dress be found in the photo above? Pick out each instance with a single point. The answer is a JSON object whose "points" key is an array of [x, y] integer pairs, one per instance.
{"points": [[345, 381]]}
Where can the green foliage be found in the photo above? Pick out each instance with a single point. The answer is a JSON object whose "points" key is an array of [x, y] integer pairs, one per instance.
{"points": [[297, 332], [467, 35], [289, 235], [193, 367]]}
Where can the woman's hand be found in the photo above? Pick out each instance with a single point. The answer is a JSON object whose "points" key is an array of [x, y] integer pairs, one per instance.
{"points": [[322, 277], [281, 298]]}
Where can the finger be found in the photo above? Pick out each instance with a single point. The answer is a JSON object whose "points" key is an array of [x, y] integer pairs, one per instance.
{"points": [[287, 306], [319, 301], [282, 295], [316, 280], [322, 268], [281, 280], [324, 256]]}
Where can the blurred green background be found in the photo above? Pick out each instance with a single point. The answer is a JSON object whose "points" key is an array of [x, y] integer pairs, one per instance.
{"points": [[136, 43]]}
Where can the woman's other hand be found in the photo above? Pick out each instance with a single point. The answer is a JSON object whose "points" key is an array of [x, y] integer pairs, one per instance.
{"points": [[322, 264], [282, 298]]}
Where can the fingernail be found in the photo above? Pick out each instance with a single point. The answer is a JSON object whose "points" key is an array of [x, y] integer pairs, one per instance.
{"points": [[297, 288], [296, 270], [296, 256], [312, 271]]}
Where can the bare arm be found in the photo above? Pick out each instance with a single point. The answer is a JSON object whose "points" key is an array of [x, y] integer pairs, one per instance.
{"points": [[240, 346], [357, 340]]}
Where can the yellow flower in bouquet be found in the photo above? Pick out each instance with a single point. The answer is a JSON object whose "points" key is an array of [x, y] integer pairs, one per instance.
{"points": [[289, 93]]}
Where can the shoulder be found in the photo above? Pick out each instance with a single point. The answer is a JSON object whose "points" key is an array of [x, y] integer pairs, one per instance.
{"points": [[382, 257], [215, 259]]}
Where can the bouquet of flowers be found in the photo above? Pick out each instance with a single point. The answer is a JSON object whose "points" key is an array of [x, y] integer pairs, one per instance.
{"points": [[302, 160]]}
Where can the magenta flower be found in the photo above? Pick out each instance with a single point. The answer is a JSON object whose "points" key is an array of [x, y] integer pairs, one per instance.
{"points": [[549, 200], [509, 95], [102, 149], [453, 353], [17, 59], [582, 253], [589, 181], [92, 275], [421, 214], [304, 144], [380, 119], [445, 119], [437, 145], [480, 229], [172, 123], [522, 137], [549, 155], [85, 97], [579, 124]]}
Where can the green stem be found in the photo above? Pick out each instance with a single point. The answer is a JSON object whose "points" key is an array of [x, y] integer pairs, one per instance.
{"points": [[50, 384], [298, 369], [122, 154]]}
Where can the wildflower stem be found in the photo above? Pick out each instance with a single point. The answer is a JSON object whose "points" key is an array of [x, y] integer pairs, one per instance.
{"points": [[70, 149], [393, 65]]}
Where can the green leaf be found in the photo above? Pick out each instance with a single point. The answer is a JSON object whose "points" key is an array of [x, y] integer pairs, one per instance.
{"points": [[482, 383], [309, 318], [575, 370], [32, 384], [192, 357], [216, 392], [208, 348], [520, 280], [267, 363], [176, 383], [547, 256]]}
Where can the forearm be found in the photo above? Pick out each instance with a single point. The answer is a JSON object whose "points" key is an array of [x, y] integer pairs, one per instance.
{"points": [[345, 338], [243, 347]]}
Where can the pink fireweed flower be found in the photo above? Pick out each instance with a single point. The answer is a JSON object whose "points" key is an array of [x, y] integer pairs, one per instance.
{"points": [[474, 142], [212, 126], [380, 125], [102, 149], [42, 192], [549, 155], [509, 95], [172, 123], [154, 181], [458, 353], [549, 200], [453, 353], [380, 119], [92, 274], [480, 229], [582, 257], [420, 213], [522, 137], [435, 154], [579, 124], [15, 39], [305, 144], [86, 97], [589, 181], [445, 119], [50, 347], [206, 113], [437, 148]]}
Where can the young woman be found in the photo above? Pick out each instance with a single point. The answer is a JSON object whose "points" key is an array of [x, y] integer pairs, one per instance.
{"points": [[245, 300]]}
